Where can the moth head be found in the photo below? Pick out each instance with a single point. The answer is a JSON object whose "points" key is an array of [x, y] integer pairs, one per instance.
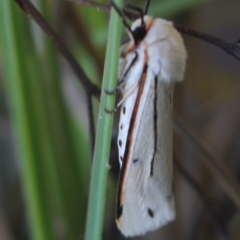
{"points": [[150, 30], [139, 28]]}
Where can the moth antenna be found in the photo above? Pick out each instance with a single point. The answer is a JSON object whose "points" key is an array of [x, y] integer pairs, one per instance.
{"points": [[120, 13], [139, 10], [146, 7]]}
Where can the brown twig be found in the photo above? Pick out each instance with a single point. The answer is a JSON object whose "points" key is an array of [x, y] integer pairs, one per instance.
{"points": [[92, 4], [83, 36], [38, 18], [232, 48]]}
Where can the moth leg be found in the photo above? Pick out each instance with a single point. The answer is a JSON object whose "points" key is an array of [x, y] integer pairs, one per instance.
{"points": [[128, 93], [125, 96], [110, 111], [107, 92]]}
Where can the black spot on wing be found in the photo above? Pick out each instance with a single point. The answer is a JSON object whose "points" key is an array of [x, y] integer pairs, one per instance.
{"points": [[135, 160], [120, 143], [124, 110], [121, 158], [150, 213], [121, 127]]}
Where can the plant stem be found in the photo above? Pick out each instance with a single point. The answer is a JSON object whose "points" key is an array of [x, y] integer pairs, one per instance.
{"points": [[104, 131]]}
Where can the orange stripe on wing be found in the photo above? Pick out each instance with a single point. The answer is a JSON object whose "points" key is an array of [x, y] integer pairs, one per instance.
{"points": [[129, 142]]}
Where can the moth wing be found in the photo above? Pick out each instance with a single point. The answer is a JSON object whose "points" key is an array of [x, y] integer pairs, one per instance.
{"points": [[146, 188], [133, 78]]}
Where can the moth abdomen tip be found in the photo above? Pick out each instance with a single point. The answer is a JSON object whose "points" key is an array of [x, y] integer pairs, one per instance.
{"points": [[119, 211]]}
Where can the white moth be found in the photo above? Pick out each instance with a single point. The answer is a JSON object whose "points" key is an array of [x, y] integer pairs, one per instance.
{"points": [[150, 63]]}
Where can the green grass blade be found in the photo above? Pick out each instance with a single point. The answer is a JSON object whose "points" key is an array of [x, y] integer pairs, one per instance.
{"points": [[23, 117], [54, 157], [104, 130], [71, 200]]}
